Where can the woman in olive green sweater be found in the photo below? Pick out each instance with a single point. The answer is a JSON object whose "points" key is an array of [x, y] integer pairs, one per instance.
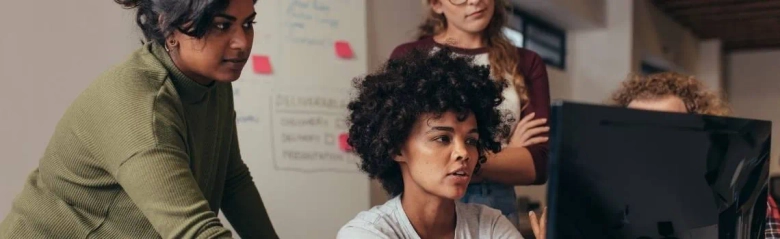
{"points": [[149, 149]]}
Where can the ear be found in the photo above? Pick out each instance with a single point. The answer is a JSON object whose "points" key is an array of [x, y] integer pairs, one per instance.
{"points": [[436, 6], [399, 157]]}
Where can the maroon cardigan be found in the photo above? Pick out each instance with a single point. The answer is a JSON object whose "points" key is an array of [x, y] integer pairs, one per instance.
{"points": [[534, 71]]}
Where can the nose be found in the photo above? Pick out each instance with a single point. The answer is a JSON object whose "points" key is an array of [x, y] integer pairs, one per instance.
{"points": [[241, 40], [460, 151]]}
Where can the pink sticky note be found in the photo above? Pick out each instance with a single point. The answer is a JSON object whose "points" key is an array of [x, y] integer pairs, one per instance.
{"points": [[343, 49], [261, 64], [343, 145]]}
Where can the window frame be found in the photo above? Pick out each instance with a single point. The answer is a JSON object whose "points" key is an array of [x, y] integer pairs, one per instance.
{"points": [[530, 20]]}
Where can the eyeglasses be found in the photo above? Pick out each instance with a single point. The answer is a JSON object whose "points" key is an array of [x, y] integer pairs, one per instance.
{"points": [[458, 2]]}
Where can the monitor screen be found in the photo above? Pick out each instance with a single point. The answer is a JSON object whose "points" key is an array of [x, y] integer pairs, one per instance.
{"points": [[622, 173]]}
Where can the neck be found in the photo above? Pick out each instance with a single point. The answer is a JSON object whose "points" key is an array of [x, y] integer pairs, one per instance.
{"points": [[461, 39], [430, 215], [195, 77]]}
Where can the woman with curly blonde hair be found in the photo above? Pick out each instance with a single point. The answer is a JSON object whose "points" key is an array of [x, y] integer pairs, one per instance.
{"points": [[667, 92], [671, 92]]}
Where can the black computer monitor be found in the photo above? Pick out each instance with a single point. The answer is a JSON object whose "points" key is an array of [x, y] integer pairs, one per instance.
{"points": [[622, 173]]}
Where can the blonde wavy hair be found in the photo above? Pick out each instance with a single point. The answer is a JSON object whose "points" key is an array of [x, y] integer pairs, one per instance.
{"points": [[693, 93], [502, 54]]}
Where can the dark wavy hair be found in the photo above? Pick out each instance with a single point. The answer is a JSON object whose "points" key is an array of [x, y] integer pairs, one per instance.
{"points": [[191, 17], [390, 101]]}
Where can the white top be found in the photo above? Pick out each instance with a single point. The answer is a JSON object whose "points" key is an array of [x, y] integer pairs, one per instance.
{"points": [[510, 107], [389, 221]]}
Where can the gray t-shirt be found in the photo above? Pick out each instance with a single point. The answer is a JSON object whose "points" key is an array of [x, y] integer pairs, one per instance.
{"points": [[389, 221]]}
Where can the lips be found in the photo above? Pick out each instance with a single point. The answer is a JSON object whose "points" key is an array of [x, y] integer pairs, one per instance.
{"points": [[460, 177], [478, 12], [235, 63], [461, 172], [236, 60]]}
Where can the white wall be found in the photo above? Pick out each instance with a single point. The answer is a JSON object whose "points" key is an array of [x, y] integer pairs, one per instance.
{"points": [[568, 14], [560, 83], [601, 58], [658, 38], [50, 50], [709, 68], [391, 23], [754, 91]]}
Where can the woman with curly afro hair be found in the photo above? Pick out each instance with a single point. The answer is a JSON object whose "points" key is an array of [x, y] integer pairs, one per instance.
{"points": [[476, 28], [671, 92], [422, 125]]}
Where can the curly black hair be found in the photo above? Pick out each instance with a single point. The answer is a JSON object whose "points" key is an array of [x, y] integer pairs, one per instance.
{"points": [[389, 101]]}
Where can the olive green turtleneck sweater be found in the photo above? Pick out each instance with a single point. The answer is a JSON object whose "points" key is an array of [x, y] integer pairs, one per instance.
{"points": [[144, 152]]}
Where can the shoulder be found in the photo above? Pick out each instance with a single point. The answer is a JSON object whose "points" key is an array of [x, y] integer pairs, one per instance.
{"points": [[140, 71], [529, 60], [141, 81], [132, 84], [134, 92], [401, 50], [526, 54], [490, 221], [532, 67], [479, 211], [351, 231], [378, 222]]}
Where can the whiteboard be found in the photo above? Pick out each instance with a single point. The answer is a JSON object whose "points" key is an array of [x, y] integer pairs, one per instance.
{"points": [[291, 109]]}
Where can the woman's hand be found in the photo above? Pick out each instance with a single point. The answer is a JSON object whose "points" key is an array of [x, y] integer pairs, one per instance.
{"points": [[539, 228], [527, 130]]}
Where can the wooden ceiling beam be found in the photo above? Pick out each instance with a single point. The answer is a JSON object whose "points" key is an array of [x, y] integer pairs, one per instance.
{"points": [[726, 29], [751, 41], [675, 4], [755, 40], [720, 26], [701, 26], [725, 9], [764, 28], [749, 34], [735, 16], [751, 46], [740, 24], [762, 20]]}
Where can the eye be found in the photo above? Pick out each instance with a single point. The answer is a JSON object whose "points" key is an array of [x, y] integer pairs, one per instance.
{"points": [[222, 26], [250, 25], [472, 141], [443, 139]]}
